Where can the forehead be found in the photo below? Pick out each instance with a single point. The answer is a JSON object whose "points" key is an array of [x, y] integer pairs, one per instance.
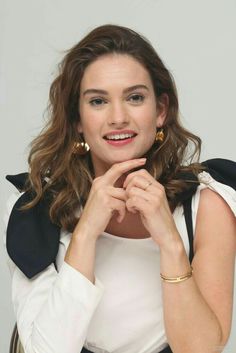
{"points": [[113, 69]]}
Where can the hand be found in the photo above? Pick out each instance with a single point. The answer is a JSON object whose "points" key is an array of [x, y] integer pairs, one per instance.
{"points": [[147, 196], [104, 199]]}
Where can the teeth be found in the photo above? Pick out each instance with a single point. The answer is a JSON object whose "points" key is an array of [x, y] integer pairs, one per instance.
{"points": [[118, 137]]}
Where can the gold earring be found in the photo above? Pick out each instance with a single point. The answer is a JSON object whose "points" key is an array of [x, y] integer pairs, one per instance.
{"points": [[80, 148], [160, 136]]}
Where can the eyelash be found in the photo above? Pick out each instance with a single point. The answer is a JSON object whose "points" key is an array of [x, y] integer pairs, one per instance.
{"points": [[101, 99]]}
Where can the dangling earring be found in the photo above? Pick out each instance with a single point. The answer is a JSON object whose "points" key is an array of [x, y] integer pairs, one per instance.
{"points": [[80, 148], [160, 136]]}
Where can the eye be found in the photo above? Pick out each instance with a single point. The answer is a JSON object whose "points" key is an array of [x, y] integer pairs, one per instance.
{"points": [[137, 98], [96, 102]]}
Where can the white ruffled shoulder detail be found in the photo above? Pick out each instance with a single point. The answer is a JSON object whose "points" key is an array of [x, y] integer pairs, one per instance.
{"points": [[225, 191]]}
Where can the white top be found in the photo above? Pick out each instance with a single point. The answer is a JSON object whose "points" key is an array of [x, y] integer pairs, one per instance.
{"points": [[120, 313]]}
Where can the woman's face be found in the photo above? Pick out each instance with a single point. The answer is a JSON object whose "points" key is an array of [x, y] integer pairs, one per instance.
{"points": [[118, 110]]}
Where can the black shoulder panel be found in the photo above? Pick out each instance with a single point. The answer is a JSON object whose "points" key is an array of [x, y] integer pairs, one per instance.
{"points": [[32, 239]]}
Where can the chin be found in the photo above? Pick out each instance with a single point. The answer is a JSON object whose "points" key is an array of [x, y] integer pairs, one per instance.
{"points": [[102, 163]]}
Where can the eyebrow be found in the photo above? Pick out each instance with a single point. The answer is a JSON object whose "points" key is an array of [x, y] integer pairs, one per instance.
{"points": [[126, 90]]}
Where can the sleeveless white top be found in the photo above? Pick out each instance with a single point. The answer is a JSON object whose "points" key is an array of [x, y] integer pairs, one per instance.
{"points": [[121, 313]]}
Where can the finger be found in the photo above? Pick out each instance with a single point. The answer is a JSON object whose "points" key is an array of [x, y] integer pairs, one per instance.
{"points": [[143, 173], [120, 207], [118, 193], [137, 192], [121, 215], [118, 169], [140, 182], [137, 204]]}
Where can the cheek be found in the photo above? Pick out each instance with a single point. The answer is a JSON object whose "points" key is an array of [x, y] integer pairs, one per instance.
{"points": [[146, 114], [87, 120], [149, 124], [91, 127]]}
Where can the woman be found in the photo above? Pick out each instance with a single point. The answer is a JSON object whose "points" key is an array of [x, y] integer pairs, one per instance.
{"points": [[100, 255]]}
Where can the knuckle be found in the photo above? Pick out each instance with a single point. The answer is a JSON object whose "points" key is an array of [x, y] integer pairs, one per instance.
{"points": [[136, 178], [102, 196], [132, 191], [96, 183], [95, 180], [134, 199]]}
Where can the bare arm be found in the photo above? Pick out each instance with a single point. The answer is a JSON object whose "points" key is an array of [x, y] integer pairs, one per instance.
{"points": [[198, 311]]}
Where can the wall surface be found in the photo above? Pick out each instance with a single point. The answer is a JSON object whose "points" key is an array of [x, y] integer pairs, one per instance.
{"points": [[196, 40]]}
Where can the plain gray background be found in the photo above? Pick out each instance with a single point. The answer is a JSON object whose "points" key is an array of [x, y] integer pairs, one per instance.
{"points": [[196, 40]]}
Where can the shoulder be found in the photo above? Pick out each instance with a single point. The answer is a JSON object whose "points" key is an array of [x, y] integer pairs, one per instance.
{"points": [[214, 199], [212, 203], [215, 222]]}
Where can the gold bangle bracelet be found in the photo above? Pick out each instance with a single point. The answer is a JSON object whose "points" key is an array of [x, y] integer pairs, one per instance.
{"points": [[177, 279]]}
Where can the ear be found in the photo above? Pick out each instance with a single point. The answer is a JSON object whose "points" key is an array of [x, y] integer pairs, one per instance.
{"points": [[162, 109]]}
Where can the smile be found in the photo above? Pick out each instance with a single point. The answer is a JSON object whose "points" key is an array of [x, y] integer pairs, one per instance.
{"points": [[120, 142]]}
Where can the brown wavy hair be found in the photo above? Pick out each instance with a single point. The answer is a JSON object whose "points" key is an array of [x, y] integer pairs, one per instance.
{"points": [[70, 175]]}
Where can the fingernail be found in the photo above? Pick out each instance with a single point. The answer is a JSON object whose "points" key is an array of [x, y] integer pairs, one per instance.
{"points": [[142, 160]]}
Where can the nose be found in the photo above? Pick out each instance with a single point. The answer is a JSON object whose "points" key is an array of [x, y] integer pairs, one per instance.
{"points": [[118, 115]]}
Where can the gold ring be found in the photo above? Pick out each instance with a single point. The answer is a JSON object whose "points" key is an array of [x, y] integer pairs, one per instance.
{"points": [[149, 183]]}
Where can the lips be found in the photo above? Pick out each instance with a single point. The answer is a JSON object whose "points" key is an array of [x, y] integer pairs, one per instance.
{"points": [[116, 135], [120, 142]]}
